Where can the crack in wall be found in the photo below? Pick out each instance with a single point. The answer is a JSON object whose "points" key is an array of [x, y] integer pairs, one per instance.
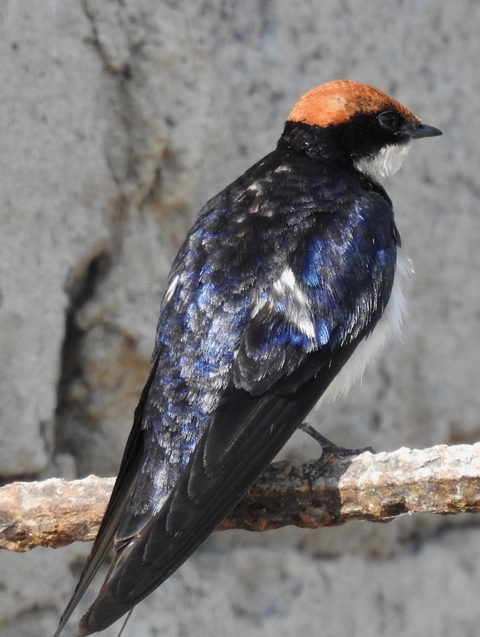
{"points": [[81, 291]]}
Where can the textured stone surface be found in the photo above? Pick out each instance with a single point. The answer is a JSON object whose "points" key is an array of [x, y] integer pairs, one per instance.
{"points": [[118, 120], [55, 194]]}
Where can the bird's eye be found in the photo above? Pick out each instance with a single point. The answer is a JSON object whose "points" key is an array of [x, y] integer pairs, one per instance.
{"points": [[389, 120]]}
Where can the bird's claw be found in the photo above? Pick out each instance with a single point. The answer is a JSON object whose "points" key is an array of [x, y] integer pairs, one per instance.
{"points": [[329, 449]]}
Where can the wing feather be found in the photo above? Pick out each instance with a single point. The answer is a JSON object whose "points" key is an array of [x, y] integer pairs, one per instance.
{"points": [[222, 468], [121, 494]]}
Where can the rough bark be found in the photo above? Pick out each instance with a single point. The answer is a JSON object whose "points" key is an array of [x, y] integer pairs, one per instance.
{"points": [[369, 487]]}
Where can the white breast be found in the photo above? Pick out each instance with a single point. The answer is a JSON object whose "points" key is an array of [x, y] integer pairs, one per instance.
{"points": [[388, 327]]}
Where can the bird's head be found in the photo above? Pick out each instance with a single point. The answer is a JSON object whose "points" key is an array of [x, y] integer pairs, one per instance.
{"points": [[356, 121]]}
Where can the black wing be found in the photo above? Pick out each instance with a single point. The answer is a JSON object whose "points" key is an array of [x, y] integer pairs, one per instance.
{"points": [[244, 435], [119, 500]]}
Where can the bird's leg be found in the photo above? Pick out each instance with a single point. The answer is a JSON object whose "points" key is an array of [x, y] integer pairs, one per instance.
{"points": [[329, 448]]}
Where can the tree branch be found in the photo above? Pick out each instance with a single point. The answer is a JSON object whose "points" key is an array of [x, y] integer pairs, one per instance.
{"points": [[370, 487]]}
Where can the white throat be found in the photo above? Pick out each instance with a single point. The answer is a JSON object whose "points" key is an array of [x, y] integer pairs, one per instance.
{"points": [[386, 162]]}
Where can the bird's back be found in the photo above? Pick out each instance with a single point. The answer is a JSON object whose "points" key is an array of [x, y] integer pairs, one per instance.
{"points": [[247, 342]]}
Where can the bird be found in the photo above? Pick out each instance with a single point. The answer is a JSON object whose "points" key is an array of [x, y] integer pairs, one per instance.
{"points": [[286, 286]]}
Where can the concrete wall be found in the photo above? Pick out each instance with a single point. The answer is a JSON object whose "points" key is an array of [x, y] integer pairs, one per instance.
{"points": [[118, 120]]}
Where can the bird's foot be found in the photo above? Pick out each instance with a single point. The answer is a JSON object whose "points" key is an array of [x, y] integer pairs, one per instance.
{"points": [[330, 449]]}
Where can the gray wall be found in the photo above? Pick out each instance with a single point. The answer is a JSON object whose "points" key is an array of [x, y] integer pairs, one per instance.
{"points": [[117, 121]]}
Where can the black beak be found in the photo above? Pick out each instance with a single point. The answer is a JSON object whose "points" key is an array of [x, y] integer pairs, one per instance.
{"points": [[425, 131]]}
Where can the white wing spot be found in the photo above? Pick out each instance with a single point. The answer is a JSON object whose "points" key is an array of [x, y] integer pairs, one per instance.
{"points": [[171, 288], [296, 302]]}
